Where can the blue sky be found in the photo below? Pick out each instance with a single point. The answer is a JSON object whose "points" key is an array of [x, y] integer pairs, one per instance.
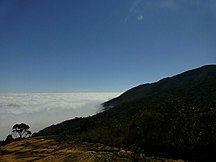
{"points": [[101, 45]]}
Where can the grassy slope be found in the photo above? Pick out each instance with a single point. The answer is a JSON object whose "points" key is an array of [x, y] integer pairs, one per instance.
{"points": [[47, 149]]}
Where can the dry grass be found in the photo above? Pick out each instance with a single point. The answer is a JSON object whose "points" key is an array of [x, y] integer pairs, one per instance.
{"points": [[49, 150]]}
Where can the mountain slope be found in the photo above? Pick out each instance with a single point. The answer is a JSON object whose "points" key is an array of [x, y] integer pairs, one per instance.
{"points": [[174, 117], [189, 78]]}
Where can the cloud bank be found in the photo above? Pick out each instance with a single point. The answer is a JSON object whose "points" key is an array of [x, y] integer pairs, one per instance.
{"points": [[41, 110]]}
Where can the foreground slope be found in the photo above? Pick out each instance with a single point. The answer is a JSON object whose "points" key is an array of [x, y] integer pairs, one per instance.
{"points": [[174, 117], [49, 149], [46, 149]]}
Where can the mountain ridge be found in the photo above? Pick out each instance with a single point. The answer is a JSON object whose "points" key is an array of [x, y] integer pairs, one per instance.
{"points": [[175, 116], [145, 90]]}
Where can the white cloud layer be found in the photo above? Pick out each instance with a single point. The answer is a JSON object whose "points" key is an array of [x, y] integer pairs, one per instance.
{"points": [[40, 110]]}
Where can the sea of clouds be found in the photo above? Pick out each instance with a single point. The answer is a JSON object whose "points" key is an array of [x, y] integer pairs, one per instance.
{"points": [[40, 110]]}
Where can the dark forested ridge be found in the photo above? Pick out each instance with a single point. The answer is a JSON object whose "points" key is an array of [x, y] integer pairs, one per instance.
{"points": [[173, 117], [187, 79]]}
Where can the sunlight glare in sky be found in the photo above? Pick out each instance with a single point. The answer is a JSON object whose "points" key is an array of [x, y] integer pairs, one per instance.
{"points": [[140, 18]]}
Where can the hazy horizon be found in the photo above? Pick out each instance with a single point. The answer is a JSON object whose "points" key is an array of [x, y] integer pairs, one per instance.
{"points": [[40, 110]]}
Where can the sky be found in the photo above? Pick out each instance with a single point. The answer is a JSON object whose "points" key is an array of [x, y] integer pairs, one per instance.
{"points": [[101, 45]]}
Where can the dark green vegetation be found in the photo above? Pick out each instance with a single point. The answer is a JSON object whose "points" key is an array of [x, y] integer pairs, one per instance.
{"points": [[21, 130], [174, 117]]}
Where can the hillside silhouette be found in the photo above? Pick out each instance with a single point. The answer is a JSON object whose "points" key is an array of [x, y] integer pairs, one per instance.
{"points": [[174, 117], [186, 80]]}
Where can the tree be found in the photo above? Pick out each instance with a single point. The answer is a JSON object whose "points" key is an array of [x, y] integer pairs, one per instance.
{"points": [[21, 130]]}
